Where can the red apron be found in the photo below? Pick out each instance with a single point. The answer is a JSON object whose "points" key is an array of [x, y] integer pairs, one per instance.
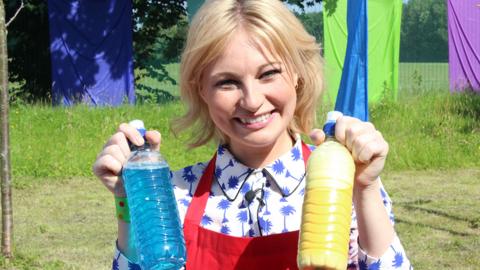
{"points": [[212, 250]]}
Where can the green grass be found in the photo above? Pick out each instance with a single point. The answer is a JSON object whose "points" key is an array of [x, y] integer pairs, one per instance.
{"points": [[68, 223], [59, 141], [437, 214], [430, 130]]}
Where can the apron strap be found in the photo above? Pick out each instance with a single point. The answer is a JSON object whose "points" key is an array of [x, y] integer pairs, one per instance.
{"points": [[306, 154], [197, 206]]}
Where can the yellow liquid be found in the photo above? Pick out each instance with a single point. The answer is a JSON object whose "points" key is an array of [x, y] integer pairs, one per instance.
{"points": [[327, 208]]}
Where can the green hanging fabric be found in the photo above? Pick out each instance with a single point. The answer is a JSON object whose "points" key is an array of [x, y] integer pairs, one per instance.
{"points": [[335, 47], [384, 19]]}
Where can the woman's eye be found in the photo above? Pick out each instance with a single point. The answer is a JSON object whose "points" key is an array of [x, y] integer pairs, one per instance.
{"points": [[270, 73], [226, 84]]}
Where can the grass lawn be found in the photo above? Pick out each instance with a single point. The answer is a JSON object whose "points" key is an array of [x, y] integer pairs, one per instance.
{"points": [[69, 224], [431, 174]]}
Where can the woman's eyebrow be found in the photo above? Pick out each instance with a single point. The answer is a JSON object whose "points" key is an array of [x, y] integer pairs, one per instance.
{"points": [[233, 74], [269, 64]]}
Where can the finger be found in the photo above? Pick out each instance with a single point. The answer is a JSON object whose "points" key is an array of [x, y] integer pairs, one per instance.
{"points": [[116, 152], [131, 134], [370, 147], [355, 131], [341, 126], [120, 140], [105, 166], [317, 136], [154, 138]]}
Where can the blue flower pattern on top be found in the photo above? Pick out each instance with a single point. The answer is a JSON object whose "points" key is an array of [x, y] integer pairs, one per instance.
{"points": [[283, 187], [189, 177]]}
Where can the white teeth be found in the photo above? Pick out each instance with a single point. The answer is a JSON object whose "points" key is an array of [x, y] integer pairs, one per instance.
{"points": [[259, 119]]}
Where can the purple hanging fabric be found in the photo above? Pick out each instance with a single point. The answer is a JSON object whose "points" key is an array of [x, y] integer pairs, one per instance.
{"points": [[91, 52], [464, 44]]}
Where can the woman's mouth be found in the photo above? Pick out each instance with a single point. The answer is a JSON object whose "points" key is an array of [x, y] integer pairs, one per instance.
{"points": [[260, 119], [258, 122]]}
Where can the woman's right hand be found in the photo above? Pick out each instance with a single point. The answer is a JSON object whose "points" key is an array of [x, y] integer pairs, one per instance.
{"points": [[109, 162]]}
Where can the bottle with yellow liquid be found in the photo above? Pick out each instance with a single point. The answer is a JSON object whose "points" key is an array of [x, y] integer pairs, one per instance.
{"points": [[327, 206]]}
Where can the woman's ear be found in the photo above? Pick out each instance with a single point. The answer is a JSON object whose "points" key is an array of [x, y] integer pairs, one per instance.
{"points": [[296, 80], [202, 91]]}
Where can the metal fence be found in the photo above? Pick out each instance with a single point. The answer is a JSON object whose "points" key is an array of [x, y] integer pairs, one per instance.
{"points": [[424, 46]]}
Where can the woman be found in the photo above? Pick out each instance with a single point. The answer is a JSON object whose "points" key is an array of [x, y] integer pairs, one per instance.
{"points": [[250, 77]]}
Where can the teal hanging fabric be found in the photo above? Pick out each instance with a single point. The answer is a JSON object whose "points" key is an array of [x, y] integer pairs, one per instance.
{"points": [[352, 98], [192, 7]]}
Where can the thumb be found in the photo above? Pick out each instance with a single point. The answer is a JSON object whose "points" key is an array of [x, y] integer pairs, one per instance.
{"points": [[317, 136]]}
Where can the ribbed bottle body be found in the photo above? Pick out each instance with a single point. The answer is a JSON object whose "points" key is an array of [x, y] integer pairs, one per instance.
{"points": [[327, 208], [153, 212]]}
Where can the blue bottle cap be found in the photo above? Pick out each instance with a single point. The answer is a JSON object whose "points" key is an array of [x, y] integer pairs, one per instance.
{"points": [[329, 127]]}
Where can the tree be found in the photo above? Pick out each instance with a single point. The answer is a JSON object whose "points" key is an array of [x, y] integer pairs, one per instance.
{"points": [[424, 36], [313, 23], [5, 172]]}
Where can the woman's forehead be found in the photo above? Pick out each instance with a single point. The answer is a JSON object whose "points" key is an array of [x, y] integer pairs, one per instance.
{"points": [[243, 44]]}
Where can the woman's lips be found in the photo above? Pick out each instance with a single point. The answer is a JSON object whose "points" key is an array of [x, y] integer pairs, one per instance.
{"points": [[257, 122]]}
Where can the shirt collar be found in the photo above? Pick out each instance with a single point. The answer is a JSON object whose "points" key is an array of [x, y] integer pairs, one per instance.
{"points": [[286, 172]]}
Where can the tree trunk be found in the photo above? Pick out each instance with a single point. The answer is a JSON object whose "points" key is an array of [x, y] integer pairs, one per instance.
{"points": [[5, 174]]}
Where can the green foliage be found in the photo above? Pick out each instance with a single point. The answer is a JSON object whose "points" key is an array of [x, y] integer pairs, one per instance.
{"points": [[313, 23], [424, 36], [150, 17], [28, 51], [170, 42]]}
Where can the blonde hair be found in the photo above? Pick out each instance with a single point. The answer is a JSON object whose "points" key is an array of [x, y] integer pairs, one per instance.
{"points": [[271, 23]]}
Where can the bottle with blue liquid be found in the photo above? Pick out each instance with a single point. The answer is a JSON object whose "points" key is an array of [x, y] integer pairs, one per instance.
{"points": [[154, 215]]}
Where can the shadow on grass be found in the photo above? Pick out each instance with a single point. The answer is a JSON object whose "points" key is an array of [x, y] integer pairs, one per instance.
{"points": [[473, 223], [399, 220]]}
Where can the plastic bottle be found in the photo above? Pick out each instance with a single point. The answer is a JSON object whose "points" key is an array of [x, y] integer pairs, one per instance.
{"points": [[327, 206], [153, 210]]}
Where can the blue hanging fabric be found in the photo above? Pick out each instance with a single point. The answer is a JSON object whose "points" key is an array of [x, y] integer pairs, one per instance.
{"points": [[352, 98], [91, 52]]}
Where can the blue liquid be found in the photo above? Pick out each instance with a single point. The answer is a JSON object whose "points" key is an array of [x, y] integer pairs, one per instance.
{"points": [[154, 216]]}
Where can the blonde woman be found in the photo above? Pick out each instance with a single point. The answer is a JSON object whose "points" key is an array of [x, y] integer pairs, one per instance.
{"points": [[250, 78]]}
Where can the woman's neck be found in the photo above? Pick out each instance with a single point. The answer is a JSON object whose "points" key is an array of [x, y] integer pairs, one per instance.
{"points": [[261, 156]]}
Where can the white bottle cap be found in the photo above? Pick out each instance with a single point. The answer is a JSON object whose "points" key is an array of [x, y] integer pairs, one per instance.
{"points": [[138, 125], [332, 116]]}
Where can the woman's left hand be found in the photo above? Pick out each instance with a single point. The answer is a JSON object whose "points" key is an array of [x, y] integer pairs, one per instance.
{"points": [[368, 148]]}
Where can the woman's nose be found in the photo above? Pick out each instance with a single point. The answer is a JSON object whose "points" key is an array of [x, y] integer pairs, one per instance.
{"points": [[253, 97]]}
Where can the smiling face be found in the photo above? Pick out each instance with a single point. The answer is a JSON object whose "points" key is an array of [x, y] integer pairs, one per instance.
{"points": [[250, 96]]}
